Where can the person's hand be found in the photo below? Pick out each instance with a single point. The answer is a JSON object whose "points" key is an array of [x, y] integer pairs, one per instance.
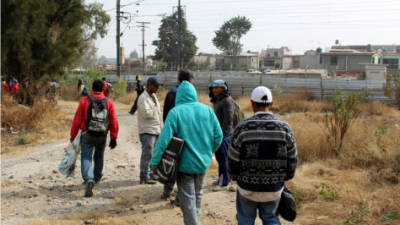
{"points": [[113, 144], [71, 140], [154, 171]]}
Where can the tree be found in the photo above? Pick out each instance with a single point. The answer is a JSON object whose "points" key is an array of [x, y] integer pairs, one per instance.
{"points": [[227, 38], [168, 43], [43, 37], [134, 55]]}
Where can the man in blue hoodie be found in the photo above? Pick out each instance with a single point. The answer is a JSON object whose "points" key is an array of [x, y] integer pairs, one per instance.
{"points": [[198, 126]]}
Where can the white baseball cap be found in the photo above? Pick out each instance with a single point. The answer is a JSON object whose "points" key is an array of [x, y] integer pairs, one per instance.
{"points": [[261, 94]]}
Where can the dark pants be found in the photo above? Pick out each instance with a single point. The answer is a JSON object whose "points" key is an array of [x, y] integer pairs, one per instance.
{"points": [[222, 157], [92, 149]]}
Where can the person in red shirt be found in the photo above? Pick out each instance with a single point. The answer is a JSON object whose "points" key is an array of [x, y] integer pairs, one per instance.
{"points": [[95, 126], [107, 87], [5, 87]]}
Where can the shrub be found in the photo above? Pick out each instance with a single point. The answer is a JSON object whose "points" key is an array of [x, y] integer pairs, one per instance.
{"points": [[22, 139], [345, 111], [120, 87], [393, 88]]}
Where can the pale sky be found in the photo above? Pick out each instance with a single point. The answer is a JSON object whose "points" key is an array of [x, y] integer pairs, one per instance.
{"points": [[299, 24]]}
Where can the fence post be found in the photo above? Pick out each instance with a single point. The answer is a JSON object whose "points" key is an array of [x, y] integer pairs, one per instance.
{"points": [[321, 89]]}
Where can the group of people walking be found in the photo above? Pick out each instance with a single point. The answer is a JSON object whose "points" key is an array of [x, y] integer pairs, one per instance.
{"points": [[258, 152]]}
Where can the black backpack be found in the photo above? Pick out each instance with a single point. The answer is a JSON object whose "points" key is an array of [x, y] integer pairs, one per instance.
{"points": [[238, 114], [97, 120]]}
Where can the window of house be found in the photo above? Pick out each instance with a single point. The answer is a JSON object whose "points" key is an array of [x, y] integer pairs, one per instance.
{"points": [[392, 63], [275, 54], [334, 60]]}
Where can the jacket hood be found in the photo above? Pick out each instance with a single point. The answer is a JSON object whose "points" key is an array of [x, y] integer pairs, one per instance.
{"points": [[186, 93]]}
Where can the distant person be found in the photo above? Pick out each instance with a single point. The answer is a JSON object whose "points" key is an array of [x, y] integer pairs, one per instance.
{"points": [[224, 109], [107, 87], [261, 157], [51, 91], [149, 124], [169, 103], [198, 126], [139, 91], [4, 86], [82, 89], [95, 116], [13, 85]]}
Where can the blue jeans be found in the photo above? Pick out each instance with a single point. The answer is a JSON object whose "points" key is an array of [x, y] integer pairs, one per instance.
{"points": [[148, 141], [247, 211], [190, 193], [90, 144]]}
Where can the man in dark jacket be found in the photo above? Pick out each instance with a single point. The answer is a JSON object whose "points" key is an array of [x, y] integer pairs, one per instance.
{"points": [[139, 91], [224, 109], [91, 140], [261, 157], [169, 103]]}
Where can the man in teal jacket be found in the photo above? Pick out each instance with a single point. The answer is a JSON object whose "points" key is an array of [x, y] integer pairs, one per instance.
{"points": [[198, 125]]}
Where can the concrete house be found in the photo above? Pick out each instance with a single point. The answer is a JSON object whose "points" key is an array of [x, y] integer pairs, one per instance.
{"points": [[346, 63], [271, 58]]}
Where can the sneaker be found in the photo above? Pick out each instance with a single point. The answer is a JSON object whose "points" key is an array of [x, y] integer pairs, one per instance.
{"points": [[89, 189]]}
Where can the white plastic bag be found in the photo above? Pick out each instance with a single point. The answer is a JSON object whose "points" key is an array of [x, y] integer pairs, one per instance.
{"points": [[67, 164]]}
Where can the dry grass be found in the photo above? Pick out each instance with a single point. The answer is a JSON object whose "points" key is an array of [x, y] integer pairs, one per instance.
{"points": [[41, 123]]}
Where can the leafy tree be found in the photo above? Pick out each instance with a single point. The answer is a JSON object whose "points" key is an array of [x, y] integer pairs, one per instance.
{"points": [[168, 44], [42, 37], [227, 38]]}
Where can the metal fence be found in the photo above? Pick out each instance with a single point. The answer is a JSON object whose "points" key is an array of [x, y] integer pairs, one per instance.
{"points": [[242, 84]]}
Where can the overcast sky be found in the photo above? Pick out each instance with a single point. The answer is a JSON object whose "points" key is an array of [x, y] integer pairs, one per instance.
{"points": [[298, 24]]}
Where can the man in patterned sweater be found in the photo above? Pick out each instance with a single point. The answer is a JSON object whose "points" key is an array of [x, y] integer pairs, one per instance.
{"points": [[261, 157]]}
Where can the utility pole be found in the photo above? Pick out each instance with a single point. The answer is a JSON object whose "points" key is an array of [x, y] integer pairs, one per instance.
{"points": [[118, 37], [180, 53], [143, 26]]}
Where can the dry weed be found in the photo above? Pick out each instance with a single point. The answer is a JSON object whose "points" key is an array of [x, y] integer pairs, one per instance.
{"points": [[41, 123]]}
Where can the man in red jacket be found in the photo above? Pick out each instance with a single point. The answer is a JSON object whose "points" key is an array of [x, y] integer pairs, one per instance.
{"points": [[107, 87], [95, 116]]}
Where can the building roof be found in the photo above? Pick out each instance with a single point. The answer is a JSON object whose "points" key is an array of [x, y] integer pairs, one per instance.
{"points": [[347, 53]]}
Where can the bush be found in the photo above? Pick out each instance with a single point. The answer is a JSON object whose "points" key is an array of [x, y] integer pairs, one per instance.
{"points": [[120, 87], [345, 111], [22, 139], [393, 88]]}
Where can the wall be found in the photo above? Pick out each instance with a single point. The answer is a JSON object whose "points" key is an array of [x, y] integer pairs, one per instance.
{"points": [[242, 84], [375, 72]]}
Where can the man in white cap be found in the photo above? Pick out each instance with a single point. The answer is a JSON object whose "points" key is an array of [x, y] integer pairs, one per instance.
{"points": [[261, 157]]}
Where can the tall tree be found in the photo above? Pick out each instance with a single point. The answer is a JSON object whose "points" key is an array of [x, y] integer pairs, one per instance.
{"points": [[168, 43], [227, 38], [43, 37]]}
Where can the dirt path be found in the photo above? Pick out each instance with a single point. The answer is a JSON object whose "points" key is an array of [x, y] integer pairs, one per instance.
{"points": [[33, 192]]}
